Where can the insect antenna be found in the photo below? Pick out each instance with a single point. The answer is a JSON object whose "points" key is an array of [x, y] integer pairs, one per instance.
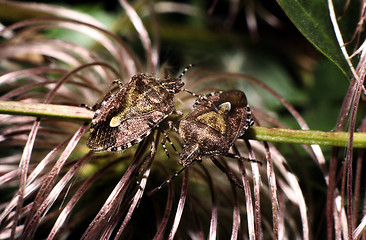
{"points": [[201, 98], [180, 77], [185, 70], [204, 98], [192, 93]]}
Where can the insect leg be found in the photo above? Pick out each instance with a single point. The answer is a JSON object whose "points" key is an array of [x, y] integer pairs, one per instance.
{"points": [[229, 174], [151, 122], [168, 181], [231, 155], [165, 128], [165, 139], [108, 96], [88, 107], [118, 82]]}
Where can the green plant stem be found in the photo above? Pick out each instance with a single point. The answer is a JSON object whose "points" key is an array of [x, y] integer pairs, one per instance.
{"points": [[307, 137], [46, 110]]}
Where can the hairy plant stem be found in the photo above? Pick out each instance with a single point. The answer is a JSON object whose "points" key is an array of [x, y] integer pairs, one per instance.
{"points": [[284, 135]]}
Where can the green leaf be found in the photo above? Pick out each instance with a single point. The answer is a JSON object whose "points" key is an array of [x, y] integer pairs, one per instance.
{"points": [[311, 17]]}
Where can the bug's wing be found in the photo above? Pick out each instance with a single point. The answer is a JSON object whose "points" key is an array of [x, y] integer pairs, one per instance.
{"points": [[129, 132]]}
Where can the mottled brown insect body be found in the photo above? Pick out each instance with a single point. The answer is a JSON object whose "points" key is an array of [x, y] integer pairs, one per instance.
{"points": [[213, 125], [128, 116]]}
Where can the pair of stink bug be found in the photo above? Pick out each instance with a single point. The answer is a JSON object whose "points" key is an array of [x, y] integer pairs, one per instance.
{"points": [[128, 116]]}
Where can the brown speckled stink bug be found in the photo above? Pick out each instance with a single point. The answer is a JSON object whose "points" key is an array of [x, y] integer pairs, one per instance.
{"points": [[128, 116], [216, 121], [213, 125]]}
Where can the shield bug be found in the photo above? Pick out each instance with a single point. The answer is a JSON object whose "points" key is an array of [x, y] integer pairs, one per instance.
{"points": [[213, 125], [128, 116], [216, 121]]}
